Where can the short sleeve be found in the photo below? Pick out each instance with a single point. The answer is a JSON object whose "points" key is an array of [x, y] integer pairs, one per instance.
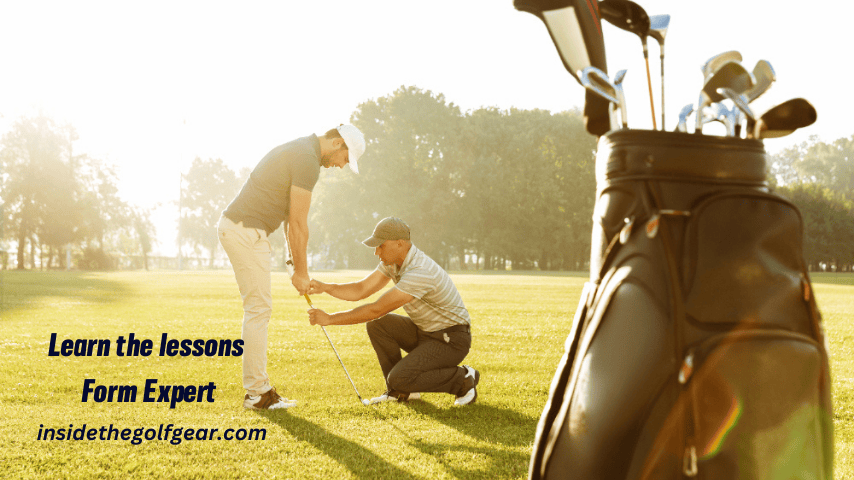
{"points": [[305, 172]]}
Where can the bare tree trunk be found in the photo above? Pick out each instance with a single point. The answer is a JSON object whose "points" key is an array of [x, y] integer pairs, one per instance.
{"points": [[22, 244], [32, 254]]}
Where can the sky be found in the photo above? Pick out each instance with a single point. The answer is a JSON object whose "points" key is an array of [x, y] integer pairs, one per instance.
{"points": [[149, 86]]}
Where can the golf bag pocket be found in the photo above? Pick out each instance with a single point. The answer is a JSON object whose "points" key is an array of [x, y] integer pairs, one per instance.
{"points": [[742, 263], [754, 407]]}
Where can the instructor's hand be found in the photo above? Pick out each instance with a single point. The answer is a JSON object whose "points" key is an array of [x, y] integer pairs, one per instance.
{"points": [[319, 317], [316, 287], [301, 282]]}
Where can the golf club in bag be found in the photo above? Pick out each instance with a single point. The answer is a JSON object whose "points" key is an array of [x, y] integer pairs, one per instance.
{"points": [[697, 350], [575, 27]]}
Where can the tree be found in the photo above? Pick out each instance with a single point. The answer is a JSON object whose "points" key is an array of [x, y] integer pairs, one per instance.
{"points": [[210, 186], [53, 198], [814, 161], [145, 232], [511, 185], [828, 219], [408, 171], [39, 187]]}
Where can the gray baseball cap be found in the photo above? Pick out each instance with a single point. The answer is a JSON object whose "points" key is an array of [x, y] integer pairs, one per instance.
{"points": [[390, 228]]}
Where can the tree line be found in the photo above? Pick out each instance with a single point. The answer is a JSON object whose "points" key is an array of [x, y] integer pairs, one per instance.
{"points": [[53, 199], [482, 189]]}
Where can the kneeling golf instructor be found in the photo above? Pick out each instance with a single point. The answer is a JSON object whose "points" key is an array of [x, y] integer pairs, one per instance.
{"points": [[436, 334]]}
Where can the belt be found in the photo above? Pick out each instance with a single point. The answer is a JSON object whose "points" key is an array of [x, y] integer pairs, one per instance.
{"points": [[455, 328]]}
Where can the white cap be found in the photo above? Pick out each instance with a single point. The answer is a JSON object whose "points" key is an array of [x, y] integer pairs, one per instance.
{"points": [[355, 141]]}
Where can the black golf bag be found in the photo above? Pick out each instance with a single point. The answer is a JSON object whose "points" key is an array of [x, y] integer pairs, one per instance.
{"points": [[697, 349]]}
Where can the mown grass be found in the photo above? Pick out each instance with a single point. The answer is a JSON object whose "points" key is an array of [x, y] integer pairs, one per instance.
{"points": [[520, 323]]}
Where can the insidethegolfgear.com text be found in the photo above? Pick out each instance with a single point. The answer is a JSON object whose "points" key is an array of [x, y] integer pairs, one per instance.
{"points": [[171, 433]]}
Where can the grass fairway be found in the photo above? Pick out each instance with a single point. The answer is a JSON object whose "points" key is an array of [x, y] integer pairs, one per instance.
{"points": [[520, 323]]}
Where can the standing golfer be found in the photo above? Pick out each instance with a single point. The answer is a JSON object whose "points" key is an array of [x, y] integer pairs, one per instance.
{"points": [[436, 334], [278, 190]]}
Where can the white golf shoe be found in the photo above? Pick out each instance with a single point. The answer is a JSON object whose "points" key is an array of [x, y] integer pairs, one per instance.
{"points": [[471, 380]]}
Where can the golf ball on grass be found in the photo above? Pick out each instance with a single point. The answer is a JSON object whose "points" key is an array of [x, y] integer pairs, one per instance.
{"points": [[365, 401]]}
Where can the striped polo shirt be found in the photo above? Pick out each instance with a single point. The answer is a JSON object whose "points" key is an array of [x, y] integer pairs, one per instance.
{"points": [[437, 303]]}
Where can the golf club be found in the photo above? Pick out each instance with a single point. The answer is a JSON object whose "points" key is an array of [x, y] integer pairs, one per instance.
{"points": [[731, 75], [364, 401], [764, 75], [621, 96], [741, 108], [783, 119], [682, 126], [289, 265], [629, 16], [576, 30], [596, 81], [714, 63], [658, 30], [718, 112]]}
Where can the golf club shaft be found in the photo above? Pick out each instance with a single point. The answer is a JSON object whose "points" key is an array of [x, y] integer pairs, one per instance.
{"points": [[308, 299], [649, 84], [662, 87]]}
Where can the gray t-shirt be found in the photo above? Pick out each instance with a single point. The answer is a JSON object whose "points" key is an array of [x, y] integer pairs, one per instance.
{"points": [[265, 199]]}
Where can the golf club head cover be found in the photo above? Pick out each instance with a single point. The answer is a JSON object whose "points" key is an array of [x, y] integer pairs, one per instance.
{"points": [[576, 30]]}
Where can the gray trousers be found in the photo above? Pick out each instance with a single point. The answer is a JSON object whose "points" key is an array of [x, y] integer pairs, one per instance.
{"points": [[431, 363]]}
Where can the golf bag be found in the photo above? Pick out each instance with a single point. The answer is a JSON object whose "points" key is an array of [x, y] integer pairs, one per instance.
{"points": [[697, 349]]}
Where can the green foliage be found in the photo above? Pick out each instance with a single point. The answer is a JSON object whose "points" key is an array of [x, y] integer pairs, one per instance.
{"points": [[828, 224], [210, 187], [814, 161], [96, 259], [53, 198], [511, 185]]}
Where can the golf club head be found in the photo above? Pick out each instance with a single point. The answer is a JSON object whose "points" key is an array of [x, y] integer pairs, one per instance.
{"points": [[682, 126], [575, 28], [597, 81], [785, 118], [730, 75], [658, 28], [764, 74], [626, 15], [597, 84], [718, 60], [658, 25]]}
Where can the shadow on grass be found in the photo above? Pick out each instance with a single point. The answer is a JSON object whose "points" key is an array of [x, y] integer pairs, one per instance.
{"points": [[502, 463], [362, 462], [21, 290], [484, 422]]}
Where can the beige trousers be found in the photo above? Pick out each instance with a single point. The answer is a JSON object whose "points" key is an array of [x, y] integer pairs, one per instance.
{"points": [[248, 249]]}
